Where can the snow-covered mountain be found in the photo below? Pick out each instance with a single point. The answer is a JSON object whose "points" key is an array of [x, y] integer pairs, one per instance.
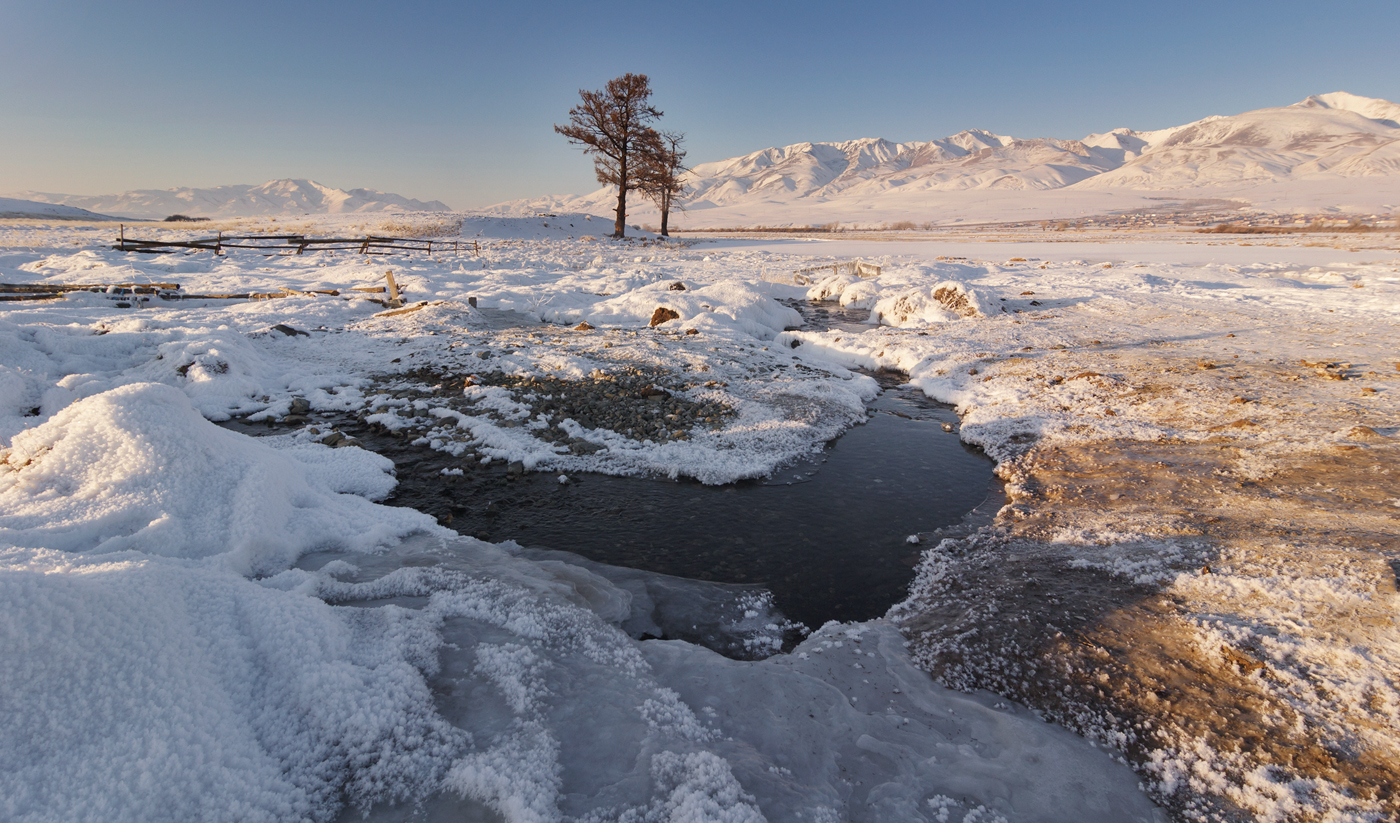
{"points": [[11, 207], [272, 197], [1325, 137]]}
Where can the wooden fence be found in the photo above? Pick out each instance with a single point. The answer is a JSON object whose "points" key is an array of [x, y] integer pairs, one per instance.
{"points": [[294, 243], [127, 294], [47, 291]]}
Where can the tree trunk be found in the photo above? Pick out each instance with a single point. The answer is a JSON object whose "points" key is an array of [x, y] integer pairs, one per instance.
{"points": [[665, 213], [620, 225]]}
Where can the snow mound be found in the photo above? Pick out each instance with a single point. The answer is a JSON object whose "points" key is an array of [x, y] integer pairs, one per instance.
{"points": [[728, 306], [137, 468], [945, 302], [832, 286]]}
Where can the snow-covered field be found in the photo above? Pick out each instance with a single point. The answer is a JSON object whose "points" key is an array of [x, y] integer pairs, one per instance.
{"points": [[1192, 570]]}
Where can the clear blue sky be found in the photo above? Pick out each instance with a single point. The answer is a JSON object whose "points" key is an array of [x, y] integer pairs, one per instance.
{"points": [[455, 101]]}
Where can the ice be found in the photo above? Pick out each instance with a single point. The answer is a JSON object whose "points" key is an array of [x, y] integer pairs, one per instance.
{"points": [[570, 717], [129, 680], [142, 659]]}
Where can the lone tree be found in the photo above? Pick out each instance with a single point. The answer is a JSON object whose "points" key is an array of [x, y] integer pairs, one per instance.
{"points": [[612, 126], [662, 166]]}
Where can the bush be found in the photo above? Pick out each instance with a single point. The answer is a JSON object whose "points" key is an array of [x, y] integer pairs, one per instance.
{"points": [[182, 218]]}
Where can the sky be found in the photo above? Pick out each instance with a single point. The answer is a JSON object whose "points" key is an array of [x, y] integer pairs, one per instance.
{"points": [[455, 101]]}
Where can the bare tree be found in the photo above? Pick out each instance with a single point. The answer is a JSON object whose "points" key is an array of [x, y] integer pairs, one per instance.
{"points": [[660, 173], [612, 126]]}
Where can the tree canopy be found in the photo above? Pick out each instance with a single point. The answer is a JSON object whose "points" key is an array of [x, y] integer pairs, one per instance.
{"points": [[613, 125], [661, 168]]}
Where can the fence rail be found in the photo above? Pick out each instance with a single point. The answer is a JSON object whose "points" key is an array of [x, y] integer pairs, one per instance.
{"points": [[295, 243], [128, 294]]}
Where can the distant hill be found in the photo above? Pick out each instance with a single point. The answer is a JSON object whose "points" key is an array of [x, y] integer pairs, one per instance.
{"points": [[12, 208], [270, 198], [1329, 137]]}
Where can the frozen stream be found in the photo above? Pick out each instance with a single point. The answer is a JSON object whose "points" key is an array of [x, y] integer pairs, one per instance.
{"points": [[827, 536]]}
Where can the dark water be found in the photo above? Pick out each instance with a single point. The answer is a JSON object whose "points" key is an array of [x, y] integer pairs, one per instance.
{"points": [[827, 535]]}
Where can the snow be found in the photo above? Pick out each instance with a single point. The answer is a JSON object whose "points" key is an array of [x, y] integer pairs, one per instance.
{"points": [[1273, 159], [184, 605], [11, 207], [271, 198], [135, 469]]}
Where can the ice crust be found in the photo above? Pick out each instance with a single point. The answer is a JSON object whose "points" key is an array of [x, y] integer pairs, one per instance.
{"points": [[164, 662]]}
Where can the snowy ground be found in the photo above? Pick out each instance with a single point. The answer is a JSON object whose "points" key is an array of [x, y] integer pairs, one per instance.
{"points": [[1194, 567]]}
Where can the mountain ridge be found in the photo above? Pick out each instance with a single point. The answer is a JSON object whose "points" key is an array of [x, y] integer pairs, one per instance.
{"points": [[1321, 138], [280, 196]]}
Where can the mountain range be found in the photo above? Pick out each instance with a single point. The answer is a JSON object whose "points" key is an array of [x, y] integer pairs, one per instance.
{"points": [[32, 209], [1322, 140], [272, 197]]}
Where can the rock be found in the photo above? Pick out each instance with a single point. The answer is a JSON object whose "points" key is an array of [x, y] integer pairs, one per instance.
{"points": [[577, 446], [332, 439], [515, 467], [296, 419], [692, 331], [947, 427], [584, 326], [345, 443], [300, 406], [676, 286], [912, 539], [663, 315]]}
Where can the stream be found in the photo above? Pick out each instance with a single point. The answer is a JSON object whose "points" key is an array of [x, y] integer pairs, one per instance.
{"points": [[829, 536]]}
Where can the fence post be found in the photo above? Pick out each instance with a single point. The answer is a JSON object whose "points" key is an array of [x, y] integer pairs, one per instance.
{"points": [[122, 242], [394, 299]]}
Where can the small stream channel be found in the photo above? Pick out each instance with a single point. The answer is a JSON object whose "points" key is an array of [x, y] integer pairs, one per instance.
{"points": [[827, 535]]}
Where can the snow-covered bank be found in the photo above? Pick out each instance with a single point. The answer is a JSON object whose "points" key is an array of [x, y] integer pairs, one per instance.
{"points": [[200, 625], [1196, 564], [1168, 578], [147, 678]]}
